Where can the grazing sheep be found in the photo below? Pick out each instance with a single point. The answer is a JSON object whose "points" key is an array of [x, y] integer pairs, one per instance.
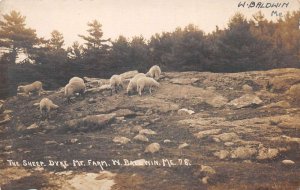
{"points": [[45, 107], [116, 82], [74, 87], [132, 83], [154, 72], [146, 82], [36, 86], [74, 79]]}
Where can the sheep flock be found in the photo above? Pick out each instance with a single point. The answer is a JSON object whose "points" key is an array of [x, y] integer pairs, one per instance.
{"points": [[138, 84]]}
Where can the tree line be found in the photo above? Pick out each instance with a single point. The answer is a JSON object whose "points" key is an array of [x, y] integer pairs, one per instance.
{"points": [[244, 45]]}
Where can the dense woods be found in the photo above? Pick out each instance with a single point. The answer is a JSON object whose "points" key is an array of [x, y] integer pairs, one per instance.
{"points": [[244, 45]]}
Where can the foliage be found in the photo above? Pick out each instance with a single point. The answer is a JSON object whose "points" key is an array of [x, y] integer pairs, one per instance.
{"points": [[15, 36], [244, 45]]}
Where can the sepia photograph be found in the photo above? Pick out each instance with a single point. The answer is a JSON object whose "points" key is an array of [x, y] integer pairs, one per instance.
{"points": [[149, 95]]}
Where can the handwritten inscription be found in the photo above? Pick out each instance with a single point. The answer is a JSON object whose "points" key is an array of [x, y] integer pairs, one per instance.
{"points": [[262, 5], [102, 164], [265, 5]]}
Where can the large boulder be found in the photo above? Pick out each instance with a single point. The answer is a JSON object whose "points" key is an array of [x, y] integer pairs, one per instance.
{"points": [[243, 153], [283, 82], [294, 92], [91, 122], [129, 74], [246, 101]]}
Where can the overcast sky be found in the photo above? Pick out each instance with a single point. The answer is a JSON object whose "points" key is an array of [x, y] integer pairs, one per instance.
{"points": [[129, 17]]}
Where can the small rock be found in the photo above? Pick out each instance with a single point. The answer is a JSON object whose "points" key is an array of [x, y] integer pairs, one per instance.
{"points": [[247, 88], [216, 139], [33, 126], [136, 128], [51, 142], [141, 138], [222, 154], [288, 162], [228, 143], [152, 148], [7, 148], [36, 104], [243, 152], [167, 141], [121, 140], [184, 145], [74, 140], [91, 100], [247, 161], [205, 180], [147, 132], [207, 170], [185, 111], [4, 118]]}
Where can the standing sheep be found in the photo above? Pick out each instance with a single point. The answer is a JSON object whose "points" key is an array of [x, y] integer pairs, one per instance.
{"points": [[74, 87], [36, 86], [146, 82], [154, 72], [132, 86], [116, 82], [74, 79], [45, 107]]}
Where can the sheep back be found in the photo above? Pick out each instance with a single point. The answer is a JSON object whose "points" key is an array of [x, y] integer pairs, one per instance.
{"points": [[35, 86], [74, 79], [133, 82], [74, 87]]}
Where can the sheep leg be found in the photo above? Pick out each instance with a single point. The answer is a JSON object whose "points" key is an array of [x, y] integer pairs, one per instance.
{"points": [[150, 90], [68, 100], [140, 90], [82, 94]]}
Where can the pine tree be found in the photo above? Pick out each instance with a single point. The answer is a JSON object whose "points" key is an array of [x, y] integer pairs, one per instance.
{"points": [[57, 40], [15, 36], [96, 48]]}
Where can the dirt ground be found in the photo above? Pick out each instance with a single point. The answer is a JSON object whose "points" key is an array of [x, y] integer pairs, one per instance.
{"points": [[237, 131]]}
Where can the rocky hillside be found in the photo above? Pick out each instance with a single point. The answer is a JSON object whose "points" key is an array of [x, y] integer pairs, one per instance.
{"points": [[199, 130]]}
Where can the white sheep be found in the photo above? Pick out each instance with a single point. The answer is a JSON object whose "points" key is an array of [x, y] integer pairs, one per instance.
{"points": [[132, 83], [146, 82], [116, 82], [46, 105], [154, 72], [74, 87], [74, 79], [36, 86]]}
